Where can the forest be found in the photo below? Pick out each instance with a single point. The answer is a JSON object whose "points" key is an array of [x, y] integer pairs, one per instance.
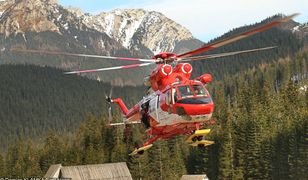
{"points": [[261, 130], [34, 99]]}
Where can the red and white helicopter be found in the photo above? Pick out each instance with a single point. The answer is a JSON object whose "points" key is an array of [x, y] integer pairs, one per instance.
{"points": [[176, 104]]}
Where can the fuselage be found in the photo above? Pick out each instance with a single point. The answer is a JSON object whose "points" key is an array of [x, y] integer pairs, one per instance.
{"points": [[178, 108], [176, 104]]}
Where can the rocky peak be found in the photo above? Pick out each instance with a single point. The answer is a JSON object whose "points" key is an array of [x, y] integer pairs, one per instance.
{"points": [[137, 29], [76, 11], [28, 15]]}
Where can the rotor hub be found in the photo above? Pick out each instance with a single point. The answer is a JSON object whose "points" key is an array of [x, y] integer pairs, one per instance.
{"points": [[165, 57]]}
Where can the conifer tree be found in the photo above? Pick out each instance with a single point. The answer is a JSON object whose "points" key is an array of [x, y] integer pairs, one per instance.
{"points": [[15, 163], [52, 151], [31, 159]]}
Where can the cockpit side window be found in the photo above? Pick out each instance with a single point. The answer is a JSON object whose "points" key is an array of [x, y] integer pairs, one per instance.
{"points": [[199, 90]]}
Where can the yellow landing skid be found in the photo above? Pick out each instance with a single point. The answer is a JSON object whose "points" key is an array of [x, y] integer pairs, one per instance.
{"points": [[202, 132], [137, 151], [202, 143]]}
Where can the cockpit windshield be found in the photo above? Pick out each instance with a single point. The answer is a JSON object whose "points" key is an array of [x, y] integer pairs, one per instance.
{"points": [[190, 94], [185, 91], [189, 91]]}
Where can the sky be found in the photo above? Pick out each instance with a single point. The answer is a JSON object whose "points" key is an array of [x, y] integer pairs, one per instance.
{"points": [[206, 19]]}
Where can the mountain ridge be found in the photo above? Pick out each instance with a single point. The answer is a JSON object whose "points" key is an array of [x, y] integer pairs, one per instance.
{"points": [[131, 33]]}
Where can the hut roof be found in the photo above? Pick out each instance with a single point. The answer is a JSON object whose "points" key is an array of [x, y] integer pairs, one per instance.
{"points": [[195, 177], [118, 171]]}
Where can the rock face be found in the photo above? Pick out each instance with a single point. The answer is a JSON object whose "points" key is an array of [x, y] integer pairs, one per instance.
{"points": [[22, 16], [139, 30], [44, 24], [300, 30], [28, 15]]}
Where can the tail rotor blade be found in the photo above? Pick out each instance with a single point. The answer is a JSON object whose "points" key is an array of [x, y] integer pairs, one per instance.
{"points": [[110, 114], [111, 91], [109, 101]]}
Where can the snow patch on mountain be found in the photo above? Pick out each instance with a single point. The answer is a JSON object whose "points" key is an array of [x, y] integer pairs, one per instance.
{"points": [[137, 28], [109, 23], [128, 28]]}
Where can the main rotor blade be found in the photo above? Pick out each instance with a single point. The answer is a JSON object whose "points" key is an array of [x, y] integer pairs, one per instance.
{"points": [[237, 37], [219, 55], [81, 55], [109, 68]]}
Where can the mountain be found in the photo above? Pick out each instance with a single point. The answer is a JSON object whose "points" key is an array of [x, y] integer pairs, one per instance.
{"points": [[137, 29], [44, 24], [286, 40]]}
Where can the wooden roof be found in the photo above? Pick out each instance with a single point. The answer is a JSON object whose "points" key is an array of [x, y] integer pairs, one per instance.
{"points": [[118, 171], [53, 171], [195, 177]]}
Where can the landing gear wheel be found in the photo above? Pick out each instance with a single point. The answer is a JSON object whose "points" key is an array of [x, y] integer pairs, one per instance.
{"points": [[197, 138], [194, 139]]}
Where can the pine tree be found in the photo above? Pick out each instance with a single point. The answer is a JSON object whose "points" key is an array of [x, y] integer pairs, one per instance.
{"points": [[15, 163], [31, 159], [175, 161], [90, 141], [52, 152], [158, 158], [226, 148]]}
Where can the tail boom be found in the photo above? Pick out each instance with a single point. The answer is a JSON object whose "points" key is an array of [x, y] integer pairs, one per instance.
{"points": [[132, 113], [123, 107]]}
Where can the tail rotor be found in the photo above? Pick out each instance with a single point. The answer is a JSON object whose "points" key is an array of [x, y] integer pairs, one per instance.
{"points": [[109, 101]]}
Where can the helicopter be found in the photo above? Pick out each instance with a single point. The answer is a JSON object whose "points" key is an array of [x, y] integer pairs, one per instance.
{"points": [[175, 104]]}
